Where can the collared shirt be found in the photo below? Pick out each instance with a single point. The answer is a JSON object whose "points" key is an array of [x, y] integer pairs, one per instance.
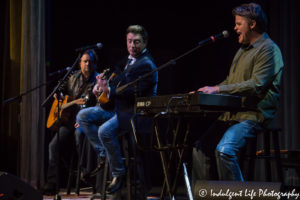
{"points": [[132, 59], [255, 74], [77, 85]]}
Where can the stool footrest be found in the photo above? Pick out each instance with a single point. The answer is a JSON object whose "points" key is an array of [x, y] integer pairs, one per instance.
{"points": [[293, 153]]}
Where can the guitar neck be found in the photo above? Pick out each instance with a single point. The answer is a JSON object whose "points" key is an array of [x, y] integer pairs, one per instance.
{"points": [[68, 104]]}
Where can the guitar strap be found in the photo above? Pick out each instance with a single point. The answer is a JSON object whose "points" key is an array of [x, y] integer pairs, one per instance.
{"points": [[82, 88]]}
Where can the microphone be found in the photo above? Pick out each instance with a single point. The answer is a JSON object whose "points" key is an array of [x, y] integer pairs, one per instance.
{"points": [[60, 71], [214, 38], [94, 46]]}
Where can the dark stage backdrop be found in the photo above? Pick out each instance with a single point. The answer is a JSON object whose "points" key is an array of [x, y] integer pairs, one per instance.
{"points": [[174, 28]]}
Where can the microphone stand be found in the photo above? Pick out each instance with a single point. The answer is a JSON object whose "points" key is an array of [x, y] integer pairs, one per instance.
{"points": [[60, 82], [19, 97], [170, 62], [135, 84]]}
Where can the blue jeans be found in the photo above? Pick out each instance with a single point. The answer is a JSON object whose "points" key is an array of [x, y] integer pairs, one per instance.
{"points": [[229, 146], [108, 133], [89, 120]]}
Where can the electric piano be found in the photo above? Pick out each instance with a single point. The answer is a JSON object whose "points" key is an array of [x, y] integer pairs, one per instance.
{"points": [[183, 106], [187, 103]]}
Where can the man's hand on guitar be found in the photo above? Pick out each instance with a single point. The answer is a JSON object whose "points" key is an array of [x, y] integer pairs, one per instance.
{"points": [[102, 84], [101, 89], [100, 77], [80, 101], [97, 90]]}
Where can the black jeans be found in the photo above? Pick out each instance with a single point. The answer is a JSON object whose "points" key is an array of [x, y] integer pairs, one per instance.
{"points": [[66, 148]]}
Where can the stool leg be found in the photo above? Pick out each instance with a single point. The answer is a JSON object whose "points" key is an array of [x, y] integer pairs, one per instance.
{"points": [[251, 166], [128, 173], [266, 135], [275, 135], [79, 164], [70, 174], [105, 171]]}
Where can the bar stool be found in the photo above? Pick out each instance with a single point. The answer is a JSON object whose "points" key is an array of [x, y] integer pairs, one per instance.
{"points": [[268, 154], [84, 145], [102, 195], [291, 159], [128, 158]]}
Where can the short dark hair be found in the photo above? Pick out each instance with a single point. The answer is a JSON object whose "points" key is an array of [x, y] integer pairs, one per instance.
{"points": [[138, 29], [253, 11]]}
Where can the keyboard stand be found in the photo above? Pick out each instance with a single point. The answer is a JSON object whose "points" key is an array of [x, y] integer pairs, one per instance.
{"points": [[171, 150]]}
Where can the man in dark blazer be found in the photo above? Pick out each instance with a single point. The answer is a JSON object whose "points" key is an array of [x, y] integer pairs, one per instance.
{"points": [[138, 63]]}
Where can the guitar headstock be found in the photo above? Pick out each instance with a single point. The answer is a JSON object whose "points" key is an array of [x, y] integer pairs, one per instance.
{"points": [[105, 73]]}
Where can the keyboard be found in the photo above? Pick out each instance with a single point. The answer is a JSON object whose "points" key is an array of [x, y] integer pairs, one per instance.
{"points": [[187, 103]]}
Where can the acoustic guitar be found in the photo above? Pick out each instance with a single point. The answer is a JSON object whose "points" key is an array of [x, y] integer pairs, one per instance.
{"points": [[65, 112], [103, 97]]}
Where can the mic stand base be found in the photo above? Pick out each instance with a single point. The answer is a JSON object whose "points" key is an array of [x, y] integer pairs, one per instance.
{"points": [[57, 197]]}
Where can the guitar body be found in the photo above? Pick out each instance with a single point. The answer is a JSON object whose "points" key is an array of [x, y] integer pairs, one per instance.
{"points": [[103, 98], [53, 122]]}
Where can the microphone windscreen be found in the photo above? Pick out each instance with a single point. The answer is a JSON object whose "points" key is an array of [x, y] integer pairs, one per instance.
{"points": [[225, 34], [99, 45]]}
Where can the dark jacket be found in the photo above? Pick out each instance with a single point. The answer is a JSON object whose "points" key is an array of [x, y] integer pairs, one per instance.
{"points": [[124, 101], [76, 87]]}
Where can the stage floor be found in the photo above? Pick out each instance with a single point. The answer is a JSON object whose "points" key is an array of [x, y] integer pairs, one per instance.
{"points": [[86, 194], [73, 196]]}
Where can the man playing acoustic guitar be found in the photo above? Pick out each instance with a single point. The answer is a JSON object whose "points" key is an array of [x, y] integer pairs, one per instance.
{"points": [[102, 132], [78, 86]]}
